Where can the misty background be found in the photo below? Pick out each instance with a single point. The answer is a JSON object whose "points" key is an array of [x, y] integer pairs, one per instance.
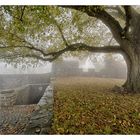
{"points": [[96, 65]]}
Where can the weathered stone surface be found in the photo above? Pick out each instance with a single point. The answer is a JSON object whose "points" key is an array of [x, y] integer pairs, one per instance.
{"points": [[41, 119], [47, 98], [8, 98]]}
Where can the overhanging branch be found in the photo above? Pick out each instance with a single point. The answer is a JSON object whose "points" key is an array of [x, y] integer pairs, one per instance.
{"points": [[94, 49], [73, 47], [116, 11], [128, 17], [105, 17]]}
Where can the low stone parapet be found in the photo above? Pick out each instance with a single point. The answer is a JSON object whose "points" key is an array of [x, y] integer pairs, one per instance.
{"points": [[47, 97], [41, 119]]}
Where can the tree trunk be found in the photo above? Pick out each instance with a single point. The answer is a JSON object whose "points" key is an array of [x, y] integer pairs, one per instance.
{"points": [[132, 83]]}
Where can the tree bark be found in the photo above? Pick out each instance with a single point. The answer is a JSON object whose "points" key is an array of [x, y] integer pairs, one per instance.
{"points": [[132, 83]]}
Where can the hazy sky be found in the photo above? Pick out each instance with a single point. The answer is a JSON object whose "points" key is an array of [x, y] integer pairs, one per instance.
{"points": [[84, 63], [11, 70]]}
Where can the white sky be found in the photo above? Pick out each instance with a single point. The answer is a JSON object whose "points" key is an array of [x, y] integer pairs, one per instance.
{"points": [[9, 69], [70, 2]]}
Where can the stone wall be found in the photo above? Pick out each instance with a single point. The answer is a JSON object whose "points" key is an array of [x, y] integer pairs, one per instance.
{"points": [[41, 119], [27, 94], [22, 89], [7, 98]]}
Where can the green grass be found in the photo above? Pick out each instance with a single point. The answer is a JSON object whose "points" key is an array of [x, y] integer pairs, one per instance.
{"points": [[88, 106]]}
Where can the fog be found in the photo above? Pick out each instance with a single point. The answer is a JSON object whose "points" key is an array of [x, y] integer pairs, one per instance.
{"points": [[10, 69], [97, 65]]}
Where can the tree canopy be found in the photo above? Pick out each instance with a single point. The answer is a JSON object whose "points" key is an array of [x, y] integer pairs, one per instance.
{"points": [[46, 32]]}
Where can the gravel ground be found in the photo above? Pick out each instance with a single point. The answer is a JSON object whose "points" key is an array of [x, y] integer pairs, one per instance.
{"points": [[14, 119]]}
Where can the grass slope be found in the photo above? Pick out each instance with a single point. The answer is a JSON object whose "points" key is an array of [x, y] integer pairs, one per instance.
{"points": [[88, 106]]}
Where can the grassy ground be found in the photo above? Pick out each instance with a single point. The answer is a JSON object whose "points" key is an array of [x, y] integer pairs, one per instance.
{"points": [[88, 106]]}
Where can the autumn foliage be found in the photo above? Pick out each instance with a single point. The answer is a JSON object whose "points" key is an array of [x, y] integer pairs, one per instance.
{"points": [[89, 106]]}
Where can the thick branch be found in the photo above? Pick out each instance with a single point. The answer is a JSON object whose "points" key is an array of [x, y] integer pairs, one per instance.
{"points": [[107, 19], [74, 47], [83, 47], [25, 46], [104, 49], [128, 17], [131, 24], [116, 11]]}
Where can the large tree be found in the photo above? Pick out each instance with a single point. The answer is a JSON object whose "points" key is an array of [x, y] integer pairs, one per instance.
{"points": [[47, 32]]}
